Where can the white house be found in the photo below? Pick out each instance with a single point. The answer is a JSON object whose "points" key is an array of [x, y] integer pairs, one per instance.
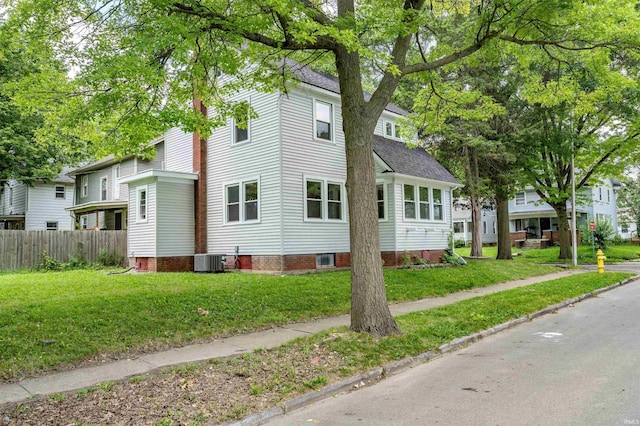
{"points": [[627, 226], [272, 197], [40, 206], [532, 218], [463, 226]]}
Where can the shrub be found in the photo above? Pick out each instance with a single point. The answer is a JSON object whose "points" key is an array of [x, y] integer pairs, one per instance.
{"points": [[112, 258], [459, 243], [604, 233], [48, 263], [452, 258], [405, 259]]}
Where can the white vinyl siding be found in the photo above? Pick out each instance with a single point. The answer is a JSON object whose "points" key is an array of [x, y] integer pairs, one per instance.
{"points": [[178, 151], [116, 185], [142, 234], [17, 197], [44, 206], [302, 158], [388, 226], [175, 219], [229, 164]]}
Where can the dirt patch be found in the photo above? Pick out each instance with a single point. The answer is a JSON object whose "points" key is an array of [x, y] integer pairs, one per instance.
{"points": [[209, 393]]}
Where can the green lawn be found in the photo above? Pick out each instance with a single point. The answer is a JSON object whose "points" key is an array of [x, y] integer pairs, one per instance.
{"points": [[614, 254], [51, 320]]}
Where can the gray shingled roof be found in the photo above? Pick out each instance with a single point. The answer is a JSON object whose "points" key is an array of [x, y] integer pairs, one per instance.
{"points": [[63, 177], [328, 82], [412, 162]]}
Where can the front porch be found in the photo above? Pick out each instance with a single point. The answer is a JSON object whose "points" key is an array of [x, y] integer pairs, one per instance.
{"points": [[101, 215]]}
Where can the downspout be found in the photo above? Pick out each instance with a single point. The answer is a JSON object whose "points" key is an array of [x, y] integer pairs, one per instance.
{"points": [[281, 165], [453, 244]]}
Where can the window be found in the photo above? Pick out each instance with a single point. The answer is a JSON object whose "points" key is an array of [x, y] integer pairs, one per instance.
{"points": [[438, 213], [314, 199], [608, 195], [409, 202], [326, 260], [241, 125], [381, 208], [103, 188], [600, 190], [10, 196], [518, 224], [425, 213], [334, 201], [60, 192], [484, 227], [52, 226], [116, 185], [391, 129], [233, 203], [423, 203], [324, 200], [323, 120], [494, 227], [520, 199], [242, 202], [85, 185], [458, 227], [142, 204], [84, 222]]}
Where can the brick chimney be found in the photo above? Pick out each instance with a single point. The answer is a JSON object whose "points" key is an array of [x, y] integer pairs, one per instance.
{"points": [[200, 187]]}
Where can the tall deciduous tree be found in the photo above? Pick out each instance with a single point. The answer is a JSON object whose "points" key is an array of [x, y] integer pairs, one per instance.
{"points": [[141, 60]]}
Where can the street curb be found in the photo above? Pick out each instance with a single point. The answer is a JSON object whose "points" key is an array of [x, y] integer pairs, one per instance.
{"points": [[404, 364]]}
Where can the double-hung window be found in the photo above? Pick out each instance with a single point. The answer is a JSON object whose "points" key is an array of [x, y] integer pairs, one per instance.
{"points": [[323, 120], [60, 192], [103, 189], [141, 213], [84, 181], [438, 213], [520, 199], [242, 124], [381, 207], [409, 202], [324, 200], [242, 202], [425, 206], [391, 130]]}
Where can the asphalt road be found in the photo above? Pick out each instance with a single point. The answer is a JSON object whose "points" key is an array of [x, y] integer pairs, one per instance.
{"points": [[579, 366]]}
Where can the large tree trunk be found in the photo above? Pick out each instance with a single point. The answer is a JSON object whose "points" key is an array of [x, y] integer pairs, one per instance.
{"points": [[476, 220], [564, 233], [369, 308], [504, 234]]}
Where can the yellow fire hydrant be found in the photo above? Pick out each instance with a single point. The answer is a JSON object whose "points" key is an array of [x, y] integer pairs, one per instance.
{"points": [[601, 258]]}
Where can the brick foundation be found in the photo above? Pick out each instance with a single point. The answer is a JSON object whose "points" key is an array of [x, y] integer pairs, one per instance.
{"points": [[162, 264]]}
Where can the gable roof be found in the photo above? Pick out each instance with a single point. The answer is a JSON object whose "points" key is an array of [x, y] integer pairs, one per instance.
{"points": [[411, 162], [328, 82]]}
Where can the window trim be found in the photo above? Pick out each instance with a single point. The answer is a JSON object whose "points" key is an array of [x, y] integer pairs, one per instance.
{"points": [[434, 204], [235, 142], [84, 222], [332, 132], [84, 183], [394, 129], [324, 200], [241, 201], [53, 227], [63, 192], [139, 190]]}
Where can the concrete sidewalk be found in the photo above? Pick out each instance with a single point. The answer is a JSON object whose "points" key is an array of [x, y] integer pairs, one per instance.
{"points": [[119, 370]]}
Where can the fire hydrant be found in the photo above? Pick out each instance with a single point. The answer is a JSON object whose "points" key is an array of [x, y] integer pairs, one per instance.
{"points": [[601, 258]]}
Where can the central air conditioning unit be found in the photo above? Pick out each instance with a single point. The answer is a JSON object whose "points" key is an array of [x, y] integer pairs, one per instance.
{"points": [[217, 262], [209, 262]]}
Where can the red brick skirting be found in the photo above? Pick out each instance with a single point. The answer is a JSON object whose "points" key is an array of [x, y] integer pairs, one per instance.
{"points": [[162, 264]]}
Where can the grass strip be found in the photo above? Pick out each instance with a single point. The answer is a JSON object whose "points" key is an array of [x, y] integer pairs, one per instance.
{"points": [[614, 253], [54, 320], [226, 389]]}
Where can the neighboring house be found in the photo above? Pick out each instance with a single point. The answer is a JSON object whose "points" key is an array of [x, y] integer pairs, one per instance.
{"points": [[531, 218], [37, 207], [463, 226], [101, 201], [627, 226], [272, 196], [535, 219]]}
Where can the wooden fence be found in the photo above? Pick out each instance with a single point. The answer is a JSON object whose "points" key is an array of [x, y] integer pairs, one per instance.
{"points": [[23, 249]]}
